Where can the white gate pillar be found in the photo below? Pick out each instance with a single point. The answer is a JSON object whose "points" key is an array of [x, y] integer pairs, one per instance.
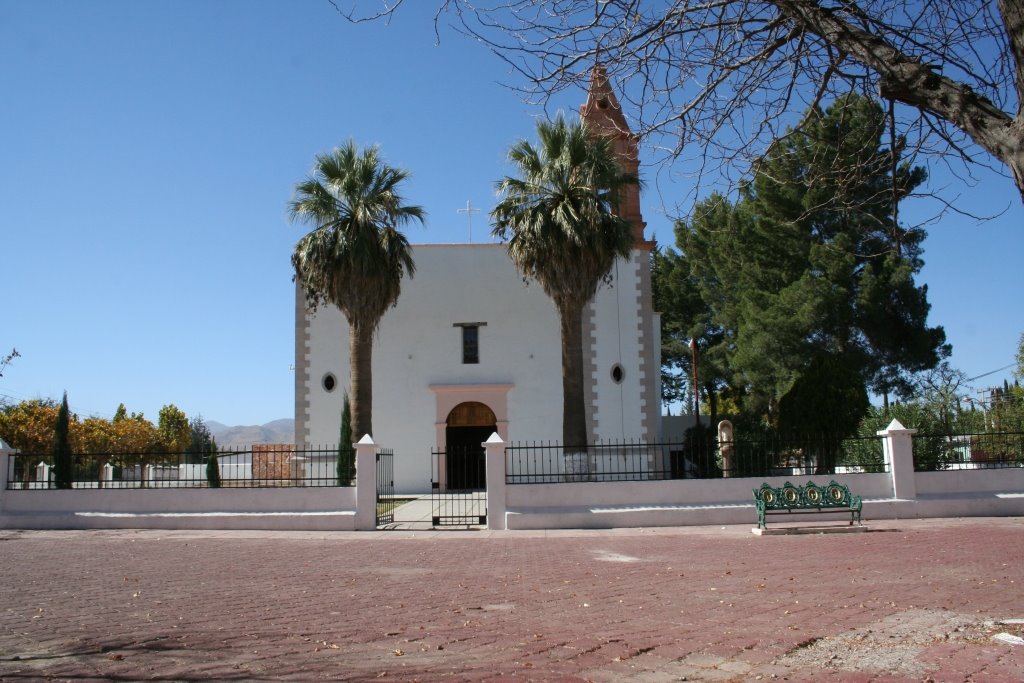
{"points": [[366, 484], [898, 450], [43, 476], [107, 475], [7, 455], [494, 449]]}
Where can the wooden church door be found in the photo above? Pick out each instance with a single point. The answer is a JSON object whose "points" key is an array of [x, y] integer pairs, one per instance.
{"points": [[469, 425]]}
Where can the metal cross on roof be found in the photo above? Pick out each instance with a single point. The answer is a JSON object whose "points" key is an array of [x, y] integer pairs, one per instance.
{"points": [[469, 211]]}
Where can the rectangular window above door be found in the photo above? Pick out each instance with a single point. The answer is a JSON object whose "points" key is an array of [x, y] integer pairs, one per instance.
{"points": [[470, 342]]}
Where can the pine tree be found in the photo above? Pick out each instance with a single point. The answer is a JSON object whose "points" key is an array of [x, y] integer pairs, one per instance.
{"points": [[199, 439], [811, 263]]}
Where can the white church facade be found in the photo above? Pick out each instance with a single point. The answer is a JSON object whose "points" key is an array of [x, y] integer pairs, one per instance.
{"points": [[471, 349]]}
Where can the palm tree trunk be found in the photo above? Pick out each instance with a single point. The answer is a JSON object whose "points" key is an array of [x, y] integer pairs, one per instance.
{"points": [[360, 337], [574, 416]]}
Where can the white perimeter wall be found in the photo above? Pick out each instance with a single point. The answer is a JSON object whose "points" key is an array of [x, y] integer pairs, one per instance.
{"points": [[971, 493], [992, 492], [325, 508], [417, 348]]}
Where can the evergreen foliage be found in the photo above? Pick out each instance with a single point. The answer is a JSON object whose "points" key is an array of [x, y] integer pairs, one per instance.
{"points": [[212, 465], [200, 439], [346, 452], [825, 405], [1006, 408], [686, 317], [63, 473], [809, 264], [828, 398]]}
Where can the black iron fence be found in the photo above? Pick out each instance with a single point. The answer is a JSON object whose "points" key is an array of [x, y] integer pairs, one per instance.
{"points": [[385, 501], [458, 483], [255, 466], [696, 458], [989, 450]]}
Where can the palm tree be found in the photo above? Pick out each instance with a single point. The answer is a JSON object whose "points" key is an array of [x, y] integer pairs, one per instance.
{"points": [[355, 255], [560, 223]]}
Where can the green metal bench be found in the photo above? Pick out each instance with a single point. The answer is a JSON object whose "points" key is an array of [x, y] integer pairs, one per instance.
{"points": [[807, 499]]}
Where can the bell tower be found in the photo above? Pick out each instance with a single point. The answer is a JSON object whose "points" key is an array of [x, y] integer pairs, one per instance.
{"points": [[603, 115]]}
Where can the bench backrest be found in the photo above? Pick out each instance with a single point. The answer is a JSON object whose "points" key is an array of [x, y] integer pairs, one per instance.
{"points": [[810, 495]]}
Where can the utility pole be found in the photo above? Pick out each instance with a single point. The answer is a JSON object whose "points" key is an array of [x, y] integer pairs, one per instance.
{"points": [[696, 387]]}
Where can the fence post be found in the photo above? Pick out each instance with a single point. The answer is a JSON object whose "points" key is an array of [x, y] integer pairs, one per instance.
{"points": [[107, 475], [42, 476], [898, 449], [494, 449], [366, 484], [7, 453], [298, 462]]}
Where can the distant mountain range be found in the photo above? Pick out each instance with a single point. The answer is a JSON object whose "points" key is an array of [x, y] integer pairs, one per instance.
{"points": [[278, 431]]}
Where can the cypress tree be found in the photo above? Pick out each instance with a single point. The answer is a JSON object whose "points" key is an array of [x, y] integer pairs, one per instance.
{"points": [[63, 476], [212, 468], [346, 454]]}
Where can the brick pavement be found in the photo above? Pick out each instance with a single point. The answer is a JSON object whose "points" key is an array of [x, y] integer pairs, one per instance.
{"points": [[909, 601]]}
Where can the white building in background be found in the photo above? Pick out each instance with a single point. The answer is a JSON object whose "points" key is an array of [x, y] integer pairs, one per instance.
{"points": [[471, 349]]}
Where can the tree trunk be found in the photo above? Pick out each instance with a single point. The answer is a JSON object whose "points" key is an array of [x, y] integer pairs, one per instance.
{"points": [[360, 337], [574, 415], [709, 391], [921, 85]]}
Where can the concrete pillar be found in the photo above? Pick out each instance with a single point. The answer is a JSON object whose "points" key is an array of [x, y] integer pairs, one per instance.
{"points": [[7, 462], [898, 450], [298, 472], [106, 475], [42, 476], [366, 484], [726, 446], [8, 456], [494, 449], [147, 475]]}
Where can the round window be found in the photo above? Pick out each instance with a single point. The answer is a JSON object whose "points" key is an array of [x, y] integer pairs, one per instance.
{"points": [[329, 382], [617, 373]]}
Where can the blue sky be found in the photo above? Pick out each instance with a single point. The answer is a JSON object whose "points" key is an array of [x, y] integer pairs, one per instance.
{"points": [[149, 150]]}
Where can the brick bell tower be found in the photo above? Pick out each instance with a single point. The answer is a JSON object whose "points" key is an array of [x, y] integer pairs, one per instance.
{"points": [[602, 114]]}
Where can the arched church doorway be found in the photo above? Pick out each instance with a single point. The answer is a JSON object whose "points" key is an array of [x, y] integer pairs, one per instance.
{"points": [[468, 425]]}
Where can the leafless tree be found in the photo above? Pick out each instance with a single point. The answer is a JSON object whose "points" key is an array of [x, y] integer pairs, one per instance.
{"points": [[5, 361], [718, 80]]}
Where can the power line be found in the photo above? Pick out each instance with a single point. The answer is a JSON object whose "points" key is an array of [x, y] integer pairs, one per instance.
{"points": [[1005, 367]]}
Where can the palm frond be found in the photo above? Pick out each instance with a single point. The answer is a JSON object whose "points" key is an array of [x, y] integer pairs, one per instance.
{"points": [[354, 256], [558, 215]]}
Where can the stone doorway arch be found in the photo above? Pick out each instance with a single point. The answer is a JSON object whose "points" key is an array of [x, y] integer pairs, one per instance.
{"points": [[468, 425], [479, 407]]}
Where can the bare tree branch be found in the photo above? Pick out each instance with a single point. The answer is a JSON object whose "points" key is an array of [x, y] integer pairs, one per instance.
{"points": [[714, 82]]}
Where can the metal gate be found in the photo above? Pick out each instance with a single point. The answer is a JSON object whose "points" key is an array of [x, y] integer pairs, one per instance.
{"points": [[458, 484], [386, 502]]}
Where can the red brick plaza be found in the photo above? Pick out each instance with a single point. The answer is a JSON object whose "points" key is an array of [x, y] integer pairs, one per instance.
{"points": [[906, 601]]}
